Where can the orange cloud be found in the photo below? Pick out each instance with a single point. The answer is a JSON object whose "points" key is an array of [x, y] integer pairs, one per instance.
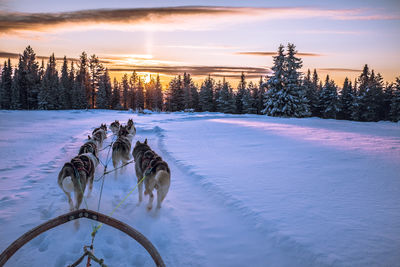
{"points": [[170, 18], [268, 53]]}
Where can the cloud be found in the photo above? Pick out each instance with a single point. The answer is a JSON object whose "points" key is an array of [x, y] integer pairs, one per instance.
{"points": [[171, 18], [268, 53], [16, 56], [339, 70], [216, 71]]}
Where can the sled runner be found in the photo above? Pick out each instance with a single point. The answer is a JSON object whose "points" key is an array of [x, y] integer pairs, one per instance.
{"points": [[77, 214]]}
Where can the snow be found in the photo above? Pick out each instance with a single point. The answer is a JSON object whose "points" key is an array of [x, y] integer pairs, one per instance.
{"points": [[246, 190]]}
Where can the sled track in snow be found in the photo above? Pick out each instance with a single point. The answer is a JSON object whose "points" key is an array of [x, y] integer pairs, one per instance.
{"points": [[300, 252]]}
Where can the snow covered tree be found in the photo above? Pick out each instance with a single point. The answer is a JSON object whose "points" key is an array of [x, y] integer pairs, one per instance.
{"points": [[395, 105], [48, 95], [387, 101], [260, 95], [6, 84], [286, 96], [187, 91], [104, 91], [83, 81], [310, 87], [248, 100], [346, 99], [241, 90], [225, 101], [65, 87], [206, 94], [329, 106], [276, 96], [194, 91]]}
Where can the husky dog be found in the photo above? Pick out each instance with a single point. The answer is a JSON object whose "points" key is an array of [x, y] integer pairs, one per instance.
{"points": [[131, 127], [89, 147], [121, 148], [156, 172], [99, 136], [114, 126], [102, 126], [75, 175]]}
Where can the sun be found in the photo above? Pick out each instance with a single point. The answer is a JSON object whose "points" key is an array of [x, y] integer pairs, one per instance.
{"points": [[147, 78]]}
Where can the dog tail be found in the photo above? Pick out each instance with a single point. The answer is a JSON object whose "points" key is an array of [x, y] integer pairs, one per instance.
{"points": [[65, 178], [163, 179]]}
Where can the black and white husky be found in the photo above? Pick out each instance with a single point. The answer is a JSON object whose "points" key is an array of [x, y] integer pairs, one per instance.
{"points": [[76, 175], [114, 127], [155, 170], [121, 148], [99, 137], [89, 147], [131, 127]]}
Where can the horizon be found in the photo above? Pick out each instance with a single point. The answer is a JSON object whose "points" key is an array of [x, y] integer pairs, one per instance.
{"points": [[220, 39]]}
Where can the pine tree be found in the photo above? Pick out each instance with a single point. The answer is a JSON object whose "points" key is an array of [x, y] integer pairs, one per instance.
{"points": [[395, 105], [28, 79], [65, 88], [329, 107], [176, 94], [241, 90], [226, 102], [187, 91], [104, 91], [248, 100], [194, 91], [15, 97], [206, 94], [96, 72], [346, 99], [83, 81], [275, 97], [158, 95], [116, 101], [133, 80], [125, 91], [150, 93], [387, 101], [48, 95], [140, 95], [360, 100], [260, 95], [310, 85], [6, 84]]}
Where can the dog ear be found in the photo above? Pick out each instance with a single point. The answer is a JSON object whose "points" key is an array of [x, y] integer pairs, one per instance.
{"points": [[137, 142], [89, 137], [145, 141]]}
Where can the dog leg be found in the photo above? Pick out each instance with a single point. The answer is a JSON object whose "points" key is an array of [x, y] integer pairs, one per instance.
{"points": [[140, 188], [150, 205], [160, 197], [71, 205], [115, 163], [91, 178], [79, 197]]}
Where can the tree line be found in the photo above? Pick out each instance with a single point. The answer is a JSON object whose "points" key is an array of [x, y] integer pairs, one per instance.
{"points": [[285, 93]]}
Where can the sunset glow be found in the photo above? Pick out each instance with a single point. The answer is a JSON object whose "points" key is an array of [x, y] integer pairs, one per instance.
{"points": [[334, 38]]}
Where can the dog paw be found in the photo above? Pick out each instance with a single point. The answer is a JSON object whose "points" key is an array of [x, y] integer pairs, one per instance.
{"points": [[149, 208]]}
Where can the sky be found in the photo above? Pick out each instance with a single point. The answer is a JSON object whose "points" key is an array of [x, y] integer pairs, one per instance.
{"points": [[221, 38]]}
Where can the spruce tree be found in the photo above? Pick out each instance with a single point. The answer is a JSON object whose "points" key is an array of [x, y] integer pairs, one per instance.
{"points": [[226, 102], [96, 72], [248, 100], [116, 101], [6, 84], [48, 95], [206, 94], [65, 88], [275, 97], [395, 105], [83, 81], [329, 107], [187, 91], [104, 91], [346, 99], [260, 95], [125, 91], [133, 80], [387, 101], [158, 95], [140, 95], [241, 90]]}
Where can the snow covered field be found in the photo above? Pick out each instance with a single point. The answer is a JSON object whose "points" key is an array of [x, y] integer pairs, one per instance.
{"points": [[246, 190]]}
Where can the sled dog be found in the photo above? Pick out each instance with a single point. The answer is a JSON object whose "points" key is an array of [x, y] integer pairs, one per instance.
{"points": [[102, 126], [99, 137], [76, 175], [114, 127], [131, 127], [89, 147], [156, 170], [121, 148]]}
